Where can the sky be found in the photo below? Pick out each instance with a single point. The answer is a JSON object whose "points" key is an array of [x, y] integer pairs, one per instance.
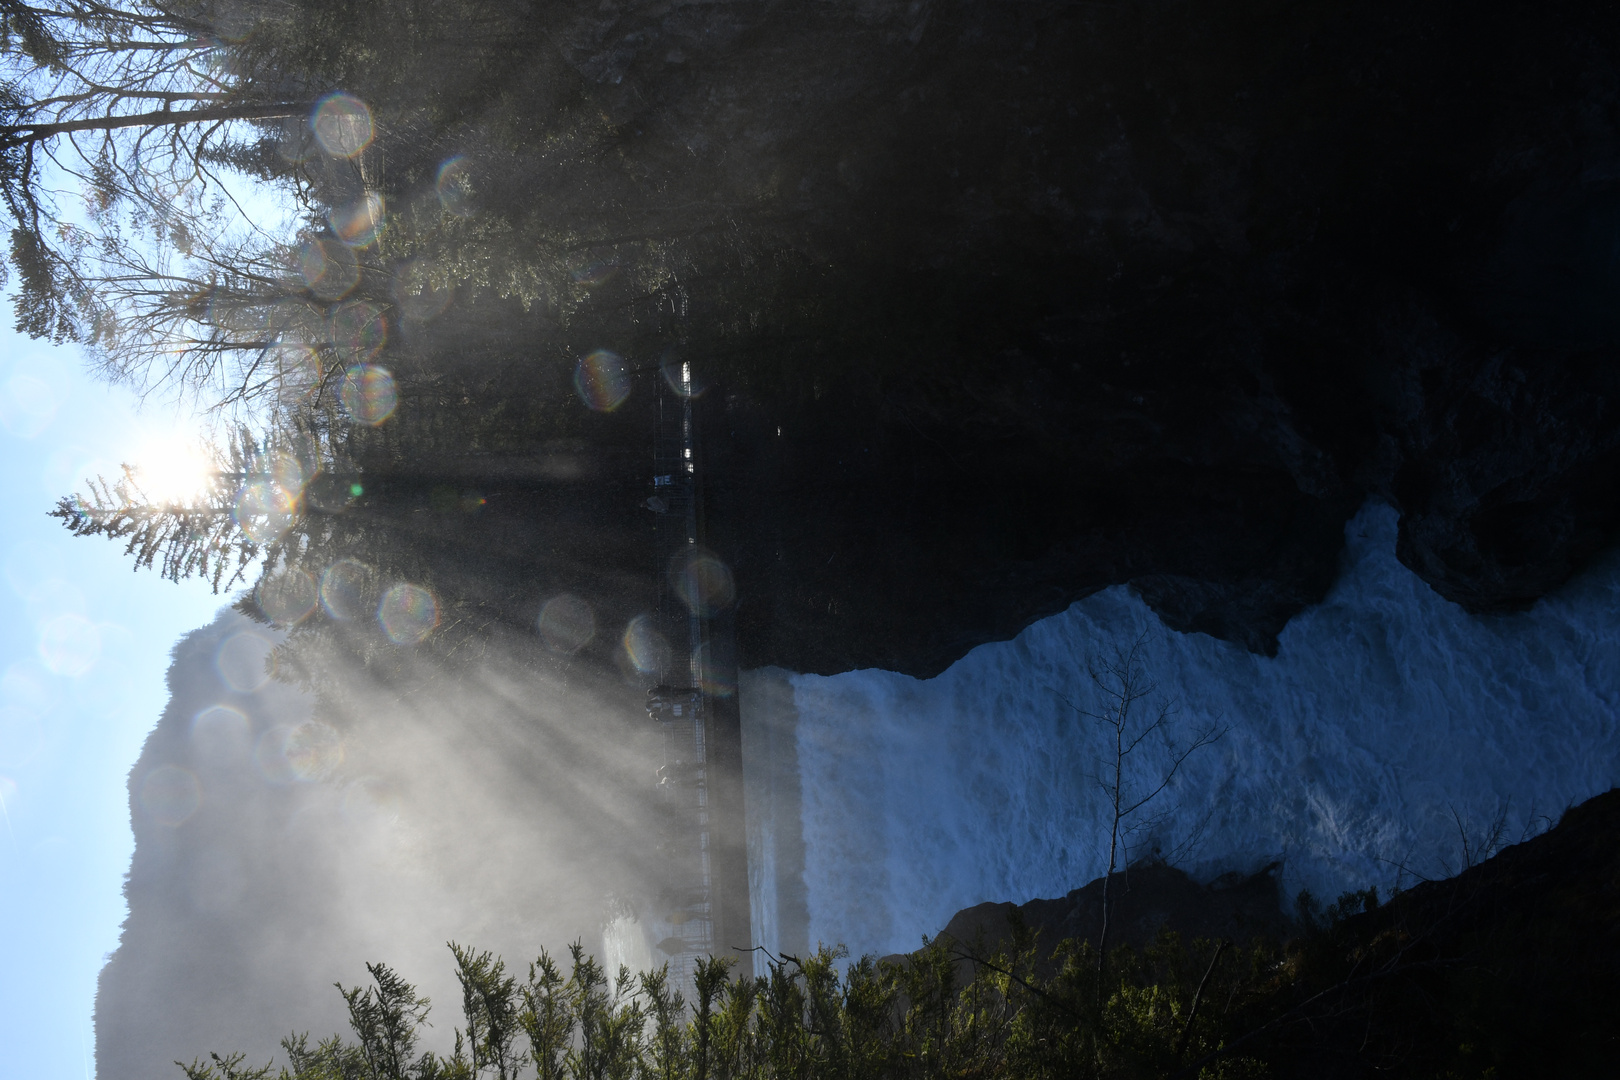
{"points": [[84, 647]]}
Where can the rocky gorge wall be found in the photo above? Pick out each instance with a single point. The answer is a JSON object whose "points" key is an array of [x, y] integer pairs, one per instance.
{"points": [[881, 804]]}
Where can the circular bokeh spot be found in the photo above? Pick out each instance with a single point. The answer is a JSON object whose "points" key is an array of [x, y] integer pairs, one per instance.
{"points": [[646, 648], [703, 583], [368, 394], [455, 187], [342, 125], [328, 268], [358, 331], [287, 472], [407, 614], [313, 751], [567, 623], [713, 680], [343, 589], [270, 755], [170, 794], [221, 734], [359, 224], [602, 380], [69, 645], [679, 378], [264, 510], [287, 597], [244, 661]]}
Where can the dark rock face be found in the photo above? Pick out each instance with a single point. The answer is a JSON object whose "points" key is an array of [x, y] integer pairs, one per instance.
{"points": [[1003, 304], [1143, 901], [1191, 284]]}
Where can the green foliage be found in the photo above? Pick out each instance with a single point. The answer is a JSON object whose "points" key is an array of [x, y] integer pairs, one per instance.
{"points": [[944, 1012]]}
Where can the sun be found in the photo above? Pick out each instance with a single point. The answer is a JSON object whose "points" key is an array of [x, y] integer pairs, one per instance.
{"points": [[172, 470]]}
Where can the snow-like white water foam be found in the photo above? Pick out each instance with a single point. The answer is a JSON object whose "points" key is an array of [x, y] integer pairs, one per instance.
{"points": [[1386, 709]]}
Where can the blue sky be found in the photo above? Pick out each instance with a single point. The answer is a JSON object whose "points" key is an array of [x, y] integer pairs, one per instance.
{"points": [[84, 646]]}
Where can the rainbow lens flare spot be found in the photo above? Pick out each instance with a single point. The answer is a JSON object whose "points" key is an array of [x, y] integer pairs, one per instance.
{"points": [[287, 597], [368, 394], [329, 269], [313, 751], [602, 380], [359, 224], [264, 510], [703, 583], [343, 589], [407, 614], [270, 755], [357, 331], [567, 623], [712, 679], [678, 377], [221, 734], [646, 648], [342, 124], [245, 661]]}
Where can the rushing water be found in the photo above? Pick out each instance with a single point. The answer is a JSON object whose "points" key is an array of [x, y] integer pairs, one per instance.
{"points": [[881, 804]]}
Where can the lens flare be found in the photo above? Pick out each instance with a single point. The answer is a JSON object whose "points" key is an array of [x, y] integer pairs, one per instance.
{"points": [[328, 268], [170, 795], [313, 751], [298, 372], [221, 735], [703, 583], [264, 510], [342, 125], [287, 473], [270, 755], [567, 623], [368, 394], [455, 187], [712, 679], [359, 224], [418, 293], [678, 377], [287, 597], [602, 380], [646, 648], [343, 589], [357, 331], [407, 614], [245, 661]]}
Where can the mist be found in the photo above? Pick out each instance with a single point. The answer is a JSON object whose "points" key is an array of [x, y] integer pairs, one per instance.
{"points": [[282, 844]]}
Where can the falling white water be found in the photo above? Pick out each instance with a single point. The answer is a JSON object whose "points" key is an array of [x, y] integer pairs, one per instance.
{"points": [[880, 804]]}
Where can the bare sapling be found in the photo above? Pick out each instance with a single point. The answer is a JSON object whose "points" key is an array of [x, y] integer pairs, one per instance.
{"points": [[1131, 713]]}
